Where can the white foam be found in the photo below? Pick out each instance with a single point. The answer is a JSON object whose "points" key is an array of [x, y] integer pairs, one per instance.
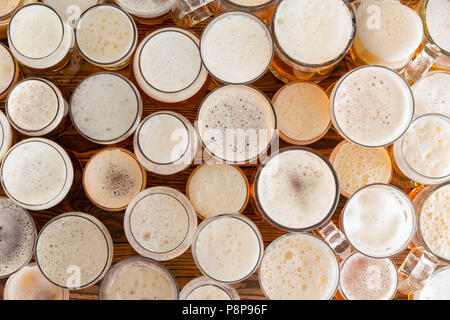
{"points": [[299, 266], [8, 6], [37, 173], [364, 278], [168, 67], [147, 8], [389, 38], [216, 189], [71, 245], [106, 108], [71, 8], [227, 249], [437, 20], [435, 222], [313, 32], [208, 292], [6, 135], [30, 284], [236, 47], [35, 107], [296, 189], [250, 3], [373, 106], [113, 178], [432, 94], [437, 288], [302, 111], [379, 220], [236, 123], [7, 69], [106, 35], [38, 37]]}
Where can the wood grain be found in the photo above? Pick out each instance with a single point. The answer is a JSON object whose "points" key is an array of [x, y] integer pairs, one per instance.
{"points": [[182, 267]]}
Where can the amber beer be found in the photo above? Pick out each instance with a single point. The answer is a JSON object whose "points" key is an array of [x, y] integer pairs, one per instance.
{"points": [[311, 37]]}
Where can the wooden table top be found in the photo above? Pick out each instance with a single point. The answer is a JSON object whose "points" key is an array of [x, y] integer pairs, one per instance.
{"points": [[182, 267]]}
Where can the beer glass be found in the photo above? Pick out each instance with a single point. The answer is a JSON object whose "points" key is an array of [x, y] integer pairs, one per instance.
{"points": [[301, 54], [7, 136], [148, 12], [436, 288], [72, 9], [187, 13], [9, 74], [430, 246], [261, 8], [6, 12], [203, 288], [436, 47], [432, 93]]}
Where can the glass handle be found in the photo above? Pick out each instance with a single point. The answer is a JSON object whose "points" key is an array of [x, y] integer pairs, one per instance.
{"points": [[414, 272], [188, 13], [420, 65], [335, 238]]}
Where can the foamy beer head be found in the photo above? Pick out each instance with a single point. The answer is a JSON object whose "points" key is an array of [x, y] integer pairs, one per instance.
{"points": [[146, 8], [38, 37], [165, 143], [236, 123], [372, 106], [437, 17], [106, 36], [17, 237], [9, 71], [364, 278], [296, 189], [37, 174], [112, 178], [422, 153], [217, 188], [74, 250], [106, 108], [139, 278], [434, 222], [203, 288], [168, 66], [303, 113], [160, 223], [6, 135], [236, 47], [35, 107], [299, 266], [437, 288], [358, 166], [432, 94], [7, 7], [72, 9], [387, 33], [313, 33], [379, 220], [227, 248], [30, 284]]}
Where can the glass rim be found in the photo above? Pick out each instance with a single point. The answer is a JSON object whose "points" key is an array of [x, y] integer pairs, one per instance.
{"points": [[283, 135], [439, 269], [139, 14], [271, 111], [64, 156], [392, 264], [107, 149], [48, 7], [173, 114], [243, 219], [65, 292], [2, 131], [118, 60], [204, 281], [315, 65], [401, 140], [267, 217], [16, 70], [428, 252], [307, 234], [349, 73], [250, 16], [181, 247], [185, 33], [236, 167], [138, 258], [98, 224], [413, 212], [428, 75], [58, 107], [244, 7], [139, 108], [428, 37], [10, 13], [35, 236]]}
